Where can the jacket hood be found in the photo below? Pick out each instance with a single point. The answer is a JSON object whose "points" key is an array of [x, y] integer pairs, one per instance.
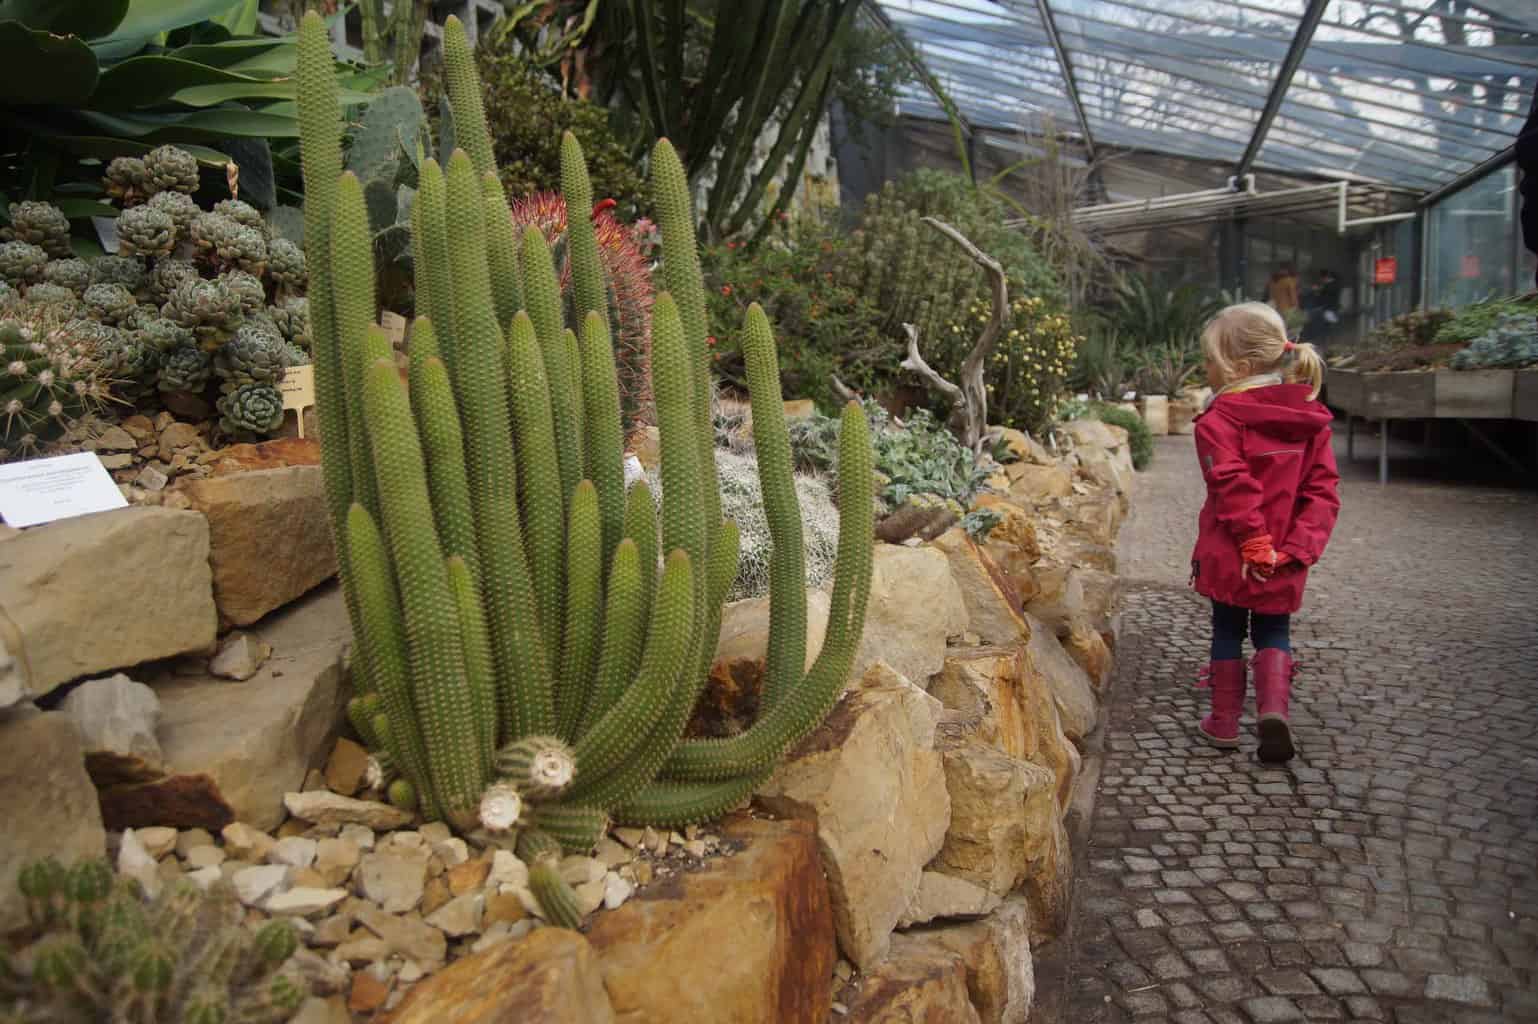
{"points": [[1283, 410]]}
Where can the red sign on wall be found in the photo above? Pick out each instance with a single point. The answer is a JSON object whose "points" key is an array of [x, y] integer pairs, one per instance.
{"points": [[1470, 269], [1385, 270]]}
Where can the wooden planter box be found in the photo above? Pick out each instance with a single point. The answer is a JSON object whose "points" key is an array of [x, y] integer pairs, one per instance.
{"points": [[1524, 396], [1434, 394]]}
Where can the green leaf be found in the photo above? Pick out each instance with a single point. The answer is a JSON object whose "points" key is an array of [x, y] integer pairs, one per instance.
{"points": [[147, 19], [88, 19], [221, 121], [38, 68], [259, 56], [240, 19], [146, 81], [77, 208]]}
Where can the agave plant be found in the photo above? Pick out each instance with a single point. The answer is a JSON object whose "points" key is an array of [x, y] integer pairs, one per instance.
{"points": [[1167, 369], [1150, 315]]}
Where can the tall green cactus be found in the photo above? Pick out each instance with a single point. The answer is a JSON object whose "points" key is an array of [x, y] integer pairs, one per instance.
{"points": [[534, 639]]}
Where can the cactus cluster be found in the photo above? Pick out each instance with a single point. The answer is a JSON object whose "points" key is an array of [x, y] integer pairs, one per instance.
{"points": [[184, 285], [105, 954], [531, 641], [51, 375], [627, 289]]}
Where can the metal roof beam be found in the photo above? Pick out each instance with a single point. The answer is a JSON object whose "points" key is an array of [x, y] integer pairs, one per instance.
{"points": [[1473, 174], [880, 17], [1295, 52], [1044, 9]]}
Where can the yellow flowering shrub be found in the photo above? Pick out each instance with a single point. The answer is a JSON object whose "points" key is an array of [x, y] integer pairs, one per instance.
{"points": [[1028, 371]]}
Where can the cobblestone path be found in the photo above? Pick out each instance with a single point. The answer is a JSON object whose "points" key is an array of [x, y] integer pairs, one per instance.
{"points": [[1391, 872]]}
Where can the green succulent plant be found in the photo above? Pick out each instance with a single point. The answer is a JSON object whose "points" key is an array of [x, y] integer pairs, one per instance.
{"points": [[145, 231], [109, 303], [292, 318], [127, 180], [242, 213], [167, 274], [104, 953], [165, 335], [41, 224], [171, 169], [74, 274], [21, 263], [252, 408], [58, 296], [253, 355], [186, 368], [179, 206], [253, 297], [48, 380], [503, 584], [285, 265], [123, 270], [208, 308]]}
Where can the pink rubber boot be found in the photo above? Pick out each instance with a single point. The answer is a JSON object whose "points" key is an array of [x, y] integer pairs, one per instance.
{"points": [[1226, 680], [1273, 689]]}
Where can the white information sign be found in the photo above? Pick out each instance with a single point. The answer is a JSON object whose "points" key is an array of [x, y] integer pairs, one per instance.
{"points": [[298, 390], [42, 490]]}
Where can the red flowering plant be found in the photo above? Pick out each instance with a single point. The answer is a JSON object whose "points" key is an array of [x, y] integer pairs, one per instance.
{"points": [[823, 326]]}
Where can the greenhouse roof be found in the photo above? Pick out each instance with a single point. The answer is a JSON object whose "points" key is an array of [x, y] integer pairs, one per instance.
{"points": [[1410, 94]]}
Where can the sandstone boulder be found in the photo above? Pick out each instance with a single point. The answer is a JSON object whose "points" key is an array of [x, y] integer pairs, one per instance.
{"points": [[1059, 596], [1096, 517], [1089, 650], [996, 952], [1183, 412], [870, 780], [746, 939], [1031, 483], [946, 897], [47, 801], [65, 622], [13, 684], [1049, 864], [1016, 527], [1073, 693], [730, 700], [915, 605], [926, 984], [986, 842], [992, 695], [1022, 446], [1101, 596], [993, 607], [257, 739], [270, 540], [549, 976], [1094, 434], [1110, 468]]}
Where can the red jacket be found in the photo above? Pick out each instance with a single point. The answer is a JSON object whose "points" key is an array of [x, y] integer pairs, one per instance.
{"points": [[1266, 457]]}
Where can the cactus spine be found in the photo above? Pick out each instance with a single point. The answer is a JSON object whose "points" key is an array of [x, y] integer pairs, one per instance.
{"points": [[531, 662]]}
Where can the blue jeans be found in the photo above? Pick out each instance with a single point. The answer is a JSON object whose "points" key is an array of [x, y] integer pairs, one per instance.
{"points": [[1230, 624]]}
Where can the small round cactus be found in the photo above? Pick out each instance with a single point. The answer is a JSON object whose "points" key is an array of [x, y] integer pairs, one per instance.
{"points": [[171, 169], [41, 224], [90, 881], [402, 794], [275, 941], [207, 1006], [501, 807], [21, 263], [145, 231], [74, 274], [151, 967], [251, 408], [60, 962], [41, 880], [539, 767]]}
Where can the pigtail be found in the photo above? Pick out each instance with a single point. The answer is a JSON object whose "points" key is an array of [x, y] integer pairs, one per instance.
{"points": [[1307, 368]]}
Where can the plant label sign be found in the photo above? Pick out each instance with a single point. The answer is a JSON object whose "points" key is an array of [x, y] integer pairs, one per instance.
{"points": [[41, 490], [395, 326], [298, 390]]}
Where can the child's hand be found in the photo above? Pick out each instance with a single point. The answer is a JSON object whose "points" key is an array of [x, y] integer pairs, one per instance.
{"points": [[1260, 558]]}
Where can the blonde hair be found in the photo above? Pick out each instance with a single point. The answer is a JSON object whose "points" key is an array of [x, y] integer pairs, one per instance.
{"points": [[1251, 338]]}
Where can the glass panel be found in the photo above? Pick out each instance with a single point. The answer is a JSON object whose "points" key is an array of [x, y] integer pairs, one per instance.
{"points": [[1472, 251]]}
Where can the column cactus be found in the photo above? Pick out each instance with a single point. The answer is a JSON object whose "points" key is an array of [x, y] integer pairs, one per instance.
{"points": [[533, 639]]}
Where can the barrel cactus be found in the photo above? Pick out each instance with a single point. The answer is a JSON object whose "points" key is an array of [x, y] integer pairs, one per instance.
{"points": [[49, 378], [42, 224], [502, 583], [105, 953]]}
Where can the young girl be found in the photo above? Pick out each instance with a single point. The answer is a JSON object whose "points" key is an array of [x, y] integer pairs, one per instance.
{"points": [[1264, 447]]}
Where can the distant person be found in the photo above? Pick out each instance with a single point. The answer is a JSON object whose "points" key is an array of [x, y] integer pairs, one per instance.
{"points": [[1264, 448], [1527, 162], [1282, 289], [1324, 306]]}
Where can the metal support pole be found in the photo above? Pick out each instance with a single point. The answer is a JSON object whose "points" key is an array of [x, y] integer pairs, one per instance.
{"points": [[1383, 452], [1070, 81]]}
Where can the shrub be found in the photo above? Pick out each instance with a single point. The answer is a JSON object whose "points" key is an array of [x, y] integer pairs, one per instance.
{"points": [[1418, 328], [1138, 435], [1512, 342], [1029, 369], [1481, 318], [526, 116]]}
